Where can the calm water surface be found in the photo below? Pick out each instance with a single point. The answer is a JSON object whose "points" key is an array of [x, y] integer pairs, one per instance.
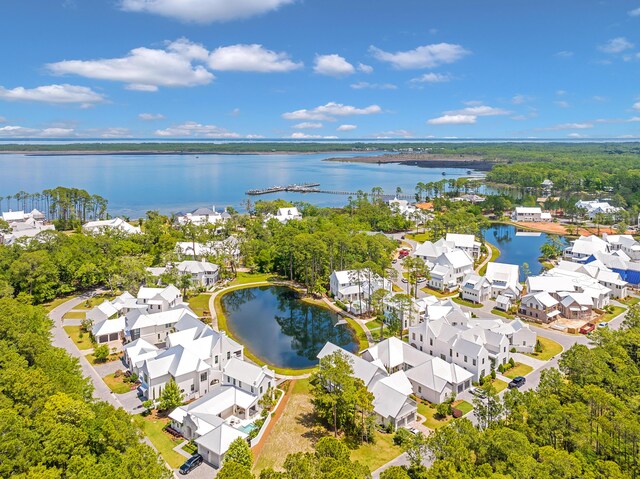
{"points": [[517, 247], [274, 324], [134, 184]]}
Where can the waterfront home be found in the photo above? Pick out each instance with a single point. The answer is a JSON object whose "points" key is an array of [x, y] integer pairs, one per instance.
{"points": [[606, 277], [475, 288], [21, 216], [466, 243], [532, 214], [286, 214], [201, 273], [24, 230], [408, 311], [203, 216], [392, 404], [617, 262], [585, 247], [504, 279], [541, 307], [595, 207], [115, 225], [155, 327], [404, 208], [351, 286]]}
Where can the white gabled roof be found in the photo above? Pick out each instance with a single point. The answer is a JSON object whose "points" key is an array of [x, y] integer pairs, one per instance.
{"points": [[139, 350], [246, 372], [162, 318], [196, 267], [436, 373], [510, 273], [392, 353], [219, 439], [456, 258], [176, 361], [115, 223], [10, 216], [387, 400], [361, 369], [109, 326], [543, 298], [528, 210], [462, 241]]}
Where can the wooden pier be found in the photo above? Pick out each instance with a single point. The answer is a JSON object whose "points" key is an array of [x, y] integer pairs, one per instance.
{"points": [[313, 188]]}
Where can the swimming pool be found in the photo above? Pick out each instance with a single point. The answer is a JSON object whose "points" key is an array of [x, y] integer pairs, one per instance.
{"points": [[247, 428]]}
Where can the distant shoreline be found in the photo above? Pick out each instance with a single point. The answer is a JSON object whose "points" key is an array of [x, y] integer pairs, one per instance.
{"points": [[424, 160], [167, 152]]}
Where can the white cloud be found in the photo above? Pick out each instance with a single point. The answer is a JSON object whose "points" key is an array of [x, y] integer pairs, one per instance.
{"points": [[636, 106], [570, 126], [562, 103], [235, 112], [193, 129], [449, 119], [564, 54], [577, 135], [62, 131], [432, 78], [59, 94], [251, 58], [561, 92], [308, 125], [329, 111], [479, 110], [616, 45], [346, 127], [635, 12], [426, 56], [298, 135], [3, 119], [150, 116], [519, 99], [143, 69], [365, 68], [394, 134], [361, 85], [203, 11], [333, 65], [114, 132]]}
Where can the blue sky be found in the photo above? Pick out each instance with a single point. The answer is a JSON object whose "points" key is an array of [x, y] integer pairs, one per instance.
{"points": [[320, 69]]}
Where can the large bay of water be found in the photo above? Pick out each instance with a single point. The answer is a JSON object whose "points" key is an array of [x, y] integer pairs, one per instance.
{"points": [[134, 184], [517, 247], [274, 324]]}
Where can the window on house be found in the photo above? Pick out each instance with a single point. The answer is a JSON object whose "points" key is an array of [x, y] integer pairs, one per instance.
{"points": [[419, 389], [193, 387], [430, 341], [421, 338], [465, 359], [413, 336], [451, 352], [216, 359], [260, 389], [203, 377], [474, 362], [228, 354]]}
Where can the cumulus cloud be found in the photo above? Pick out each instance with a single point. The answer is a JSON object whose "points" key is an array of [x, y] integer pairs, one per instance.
{"points": [[426, 56], [564, 54], [59, 94], [636, 106], [346, 127], [432, 78], [479, 110], [150, 116], [635, 12], [616, 45], [144, 69], [365, 68], [251, 58], [3, 119], [394, 134], [373, 86], [570, 126], [333, 65], [308, 125], [562, 103], [298, 135], [448, 119], [194, 129], [519, 99], [329, 111], [203, 11], [16, 131]]}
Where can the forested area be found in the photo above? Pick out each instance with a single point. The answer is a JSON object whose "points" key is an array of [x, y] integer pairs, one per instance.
{"points": [[581, 422], [50, 428]]}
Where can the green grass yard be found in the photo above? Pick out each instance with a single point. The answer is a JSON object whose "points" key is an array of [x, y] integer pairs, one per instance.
{"points": [[499, 312], [74, 333], [549, 349], [495, 254], [246, 278], [466, 303], [617, 310], [199, 304], [75, 315], [163, 441], [116, 384], [429, 412], [630, 301], [436, 293], [377, 454], [519, 370], [499, 385]]}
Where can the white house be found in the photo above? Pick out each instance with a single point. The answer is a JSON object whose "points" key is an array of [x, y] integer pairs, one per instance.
{"points": [[115, 224], [287, 214], [202, 273], [430, 252], [203, 216], [594, 207], [392, 404], [626, 243], [28, 228], [504, 279], [540, 307], [449, 270], [466, 243], [530, 214], [585, 247], [475, 288], [351, 286]]}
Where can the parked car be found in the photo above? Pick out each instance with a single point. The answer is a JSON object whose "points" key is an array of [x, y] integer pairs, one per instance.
{"points": [[405, 280], [517, 382], [603, 325], [478, 393], [413, 430], [394, 261], [421, 280], [587, 328], [191, 463]]}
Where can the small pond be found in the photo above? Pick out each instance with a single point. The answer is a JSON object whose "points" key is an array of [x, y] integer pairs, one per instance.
{"points": [[277, 326], [517, 246]]}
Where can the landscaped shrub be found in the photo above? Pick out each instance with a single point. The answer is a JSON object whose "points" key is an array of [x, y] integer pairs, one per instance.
{"points": [[512, 362], [513, 350], [493, 374], [401, 437], [341, 305]]}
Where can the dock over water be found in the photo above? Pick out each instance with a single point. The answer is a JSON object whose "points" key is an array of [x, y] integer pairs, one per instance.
{"points": [[314, 188]]}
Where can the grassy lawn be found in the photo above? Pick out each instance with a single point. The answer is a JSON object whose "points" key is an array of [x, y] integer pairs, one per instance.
{"points": [[429, 412], [199, 304], [112, 357], [295, 431], [464, 406], [630, 300], [75, 315], [374, 327], [360, 334], [245, 278], [396, 288], [163, 441], [519, 370], [549, 349], [116, 384], [617, 310], [95, 301], [190, 448], [57, 302], [466, 303], [495, 254], [499, 384], [436, 293], [74, 333], [419, 237], [378, 454], [499, 312]]}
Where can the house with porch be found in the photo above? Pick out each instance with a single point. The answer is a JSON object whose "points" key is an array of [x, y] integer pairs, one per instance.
{"points": [[527, 214], [466, 243], [475, 288], [356, 286], [115, 224], [540, 307]]}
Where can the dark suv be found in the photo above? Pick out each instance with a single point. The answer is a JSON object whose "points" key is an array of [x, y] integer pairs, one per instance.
{"points": [[517, 382], [191, 463]]}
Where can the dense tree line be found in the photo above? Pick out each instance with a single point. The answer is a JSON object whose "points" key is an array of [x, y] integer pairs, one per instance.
{"points": [[50, 426], [581, 422]]}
